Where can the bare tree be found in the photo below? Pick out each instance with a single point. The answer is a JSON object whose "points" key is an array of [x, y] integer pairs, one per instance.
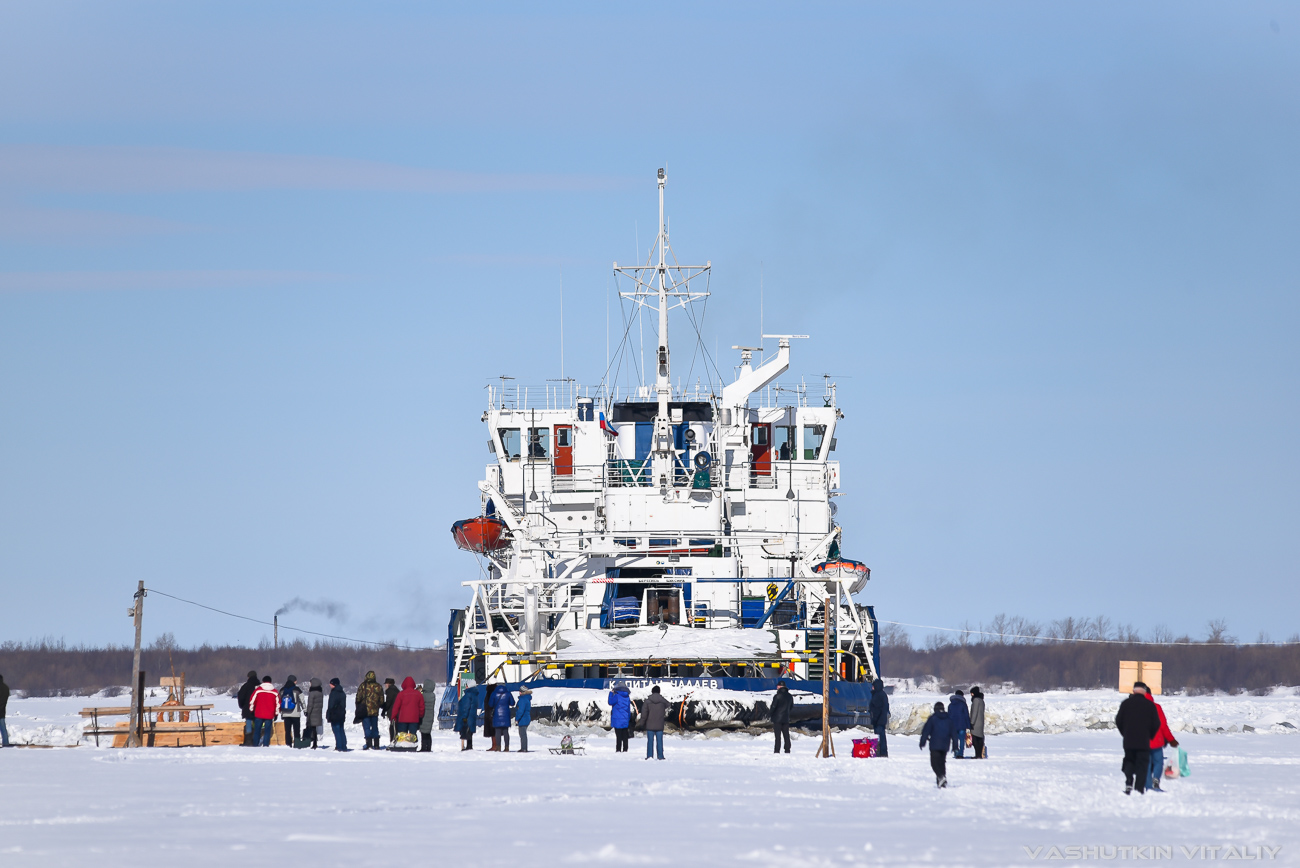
{"points": [[1218, 633], [1098, 628], [1128, 634], [1067, 628], [1161, 634], [935, 641], [895, 636], [1000, 626], [963, 638], [1263, 639], [1024, 630]]}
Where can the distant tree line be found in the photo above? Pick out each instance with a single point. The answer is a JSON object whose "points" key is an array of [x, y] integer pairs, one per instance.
{"points": [[46, 668], [1085, 652]]}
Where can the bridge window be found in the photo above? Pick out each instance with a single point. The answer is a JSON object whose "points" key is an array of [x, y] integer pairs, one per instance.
{"points": [[812, 441], [539, 443], [509, 443], [783, 442]]}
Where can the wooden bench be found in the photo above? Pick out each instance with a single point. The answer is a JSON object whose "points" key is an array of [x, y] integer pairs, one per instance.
{"points": [[151, 727]]}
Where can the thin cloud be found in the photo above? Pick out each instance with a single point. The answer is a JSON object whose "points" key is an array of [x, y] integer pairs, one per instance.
{"points": [[176, 170], [45, 281], [34, 223]]}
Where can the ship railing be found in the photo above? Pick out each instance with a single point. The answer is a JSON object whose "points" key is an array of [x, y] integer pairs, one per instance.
{"points": [[782, 475], [577, 477]]}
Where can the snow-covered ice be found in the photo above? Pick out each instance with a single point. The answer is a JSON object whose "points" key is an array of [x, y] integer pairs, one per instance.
{"points": [[718, 799]]}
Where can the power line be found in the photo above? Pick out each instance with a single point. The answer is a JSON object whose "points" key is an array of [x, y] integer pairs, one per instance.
{"points": [[285, 627]]}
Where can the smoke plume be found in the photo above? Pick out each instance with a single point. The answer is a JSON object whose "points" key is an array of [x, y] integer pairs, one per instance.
{"points": [[329, 608]]}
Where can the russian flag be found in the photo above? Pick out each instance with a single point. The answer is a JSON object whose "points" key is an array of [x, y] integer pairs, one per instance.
{"points": [[606, 427]]}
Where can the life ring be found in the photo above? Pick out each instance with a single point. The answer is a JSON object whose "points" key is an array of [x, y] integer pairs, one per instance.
{"points": [[703, 460]]}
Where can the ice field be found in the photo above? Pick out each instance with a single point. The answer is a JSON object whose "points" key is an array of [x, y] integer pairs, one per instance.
{"points": [[1051, 782]]}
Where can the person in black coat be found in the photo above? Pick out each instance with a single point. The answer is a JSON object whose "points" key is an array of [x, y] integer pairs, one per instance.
{"points": [[336, 714], [782, 704], [939, 731], [390, 696], [244, 697], [878, 710], [1138, 721]]}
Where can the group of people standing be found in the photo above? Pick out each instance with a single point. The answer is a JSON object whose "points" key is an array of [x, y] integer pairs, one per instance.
{"points": [[304, 713], [948, 729], [499, 709]]}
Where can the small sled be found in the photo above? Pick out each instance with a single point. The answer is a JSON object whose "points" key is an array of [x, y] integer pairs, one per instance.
{"points": [[406, 741], [569, 748]]}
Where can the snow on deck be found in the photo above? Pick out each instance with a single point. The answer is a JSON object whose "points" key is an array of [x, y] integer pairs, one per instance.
{"points": [[718, 800], [666, 641]]}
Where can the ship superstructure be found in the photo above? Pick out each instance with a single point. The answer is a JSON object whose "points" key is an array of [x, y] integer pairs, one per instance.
{"points": [[661, 534]]}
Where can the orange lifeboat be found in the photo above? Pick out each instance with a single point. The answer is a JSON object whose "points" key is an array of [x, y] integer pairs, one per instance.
{"points": [[480, 534]]}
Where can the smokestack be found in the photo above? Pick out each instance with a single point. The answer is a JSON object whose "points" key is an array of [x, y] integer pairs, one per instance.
{"points": [[276, 634]]}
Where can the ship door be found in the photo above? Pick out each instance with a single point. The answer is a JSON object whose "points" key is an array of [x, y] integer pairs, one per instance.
{"points": [[760, 450], [563, 450]]}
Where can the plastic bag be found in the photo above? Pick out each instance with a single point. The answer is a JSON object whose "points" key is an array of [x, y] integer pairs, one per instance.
{"points": [[1183, 770], [864, 748]]}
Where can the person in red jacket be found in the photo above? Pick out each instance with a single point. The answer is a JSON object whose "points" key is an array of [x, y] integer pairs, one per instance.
{"points": [[1163, 737], [264, 702], [408, 707]]}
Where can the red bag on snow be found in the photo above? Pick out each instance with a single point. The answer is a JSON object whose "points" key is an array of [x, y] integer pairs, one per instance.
{"points": [[864, 748]]}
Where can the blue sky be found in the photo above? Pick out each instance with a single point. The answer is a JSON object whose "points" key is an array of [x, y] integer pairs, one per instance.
{"points": [[257, 264]]}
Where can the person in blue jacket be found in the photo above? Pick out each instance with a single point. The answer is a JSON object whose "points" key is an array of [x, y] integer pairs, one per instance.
{"points": [[620, 715], [524, 716], [960, 715], [939, 733], [878, 709], [467, 716], [502, 701]]}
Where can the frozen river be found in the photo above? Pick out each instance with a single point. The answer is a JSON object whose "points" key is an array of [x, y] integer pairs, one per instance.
{"points": [[724, 800]]}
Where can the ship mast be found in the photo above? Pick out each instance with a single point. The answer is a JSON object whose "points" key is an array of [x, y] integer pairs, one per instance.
{"points": [[668, 288]]}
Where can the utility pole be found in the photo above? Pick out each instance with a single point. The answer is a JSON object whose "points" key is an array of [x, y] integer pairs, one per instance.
{"points": [[137, 688], [827, 748]]}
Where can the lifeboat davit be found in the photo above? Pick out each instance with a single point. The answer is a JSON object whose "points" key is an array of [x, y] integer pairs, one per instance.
{"points": [[480, 534]]}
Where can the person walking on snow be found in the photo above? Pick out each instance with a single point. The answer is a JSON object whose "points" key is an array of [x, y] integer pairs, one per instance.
{"points": [[782, 704], [1163, 737], [939, 731], [1138, 722], [245, 710], [502, 702], [977, 721], [524, 716], [264, 702], [960, 721], [878, 710], [467, 717], [291, 711], [656, 709], [408, 708], [4, 705], [313, 713], [337, 713], [430, 690], [620, 715], [370, 699]]}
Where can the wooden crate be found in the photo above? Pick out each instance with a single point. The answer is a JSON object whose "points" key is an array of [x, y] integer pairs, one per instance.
{"points": [[1147, 671]]}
